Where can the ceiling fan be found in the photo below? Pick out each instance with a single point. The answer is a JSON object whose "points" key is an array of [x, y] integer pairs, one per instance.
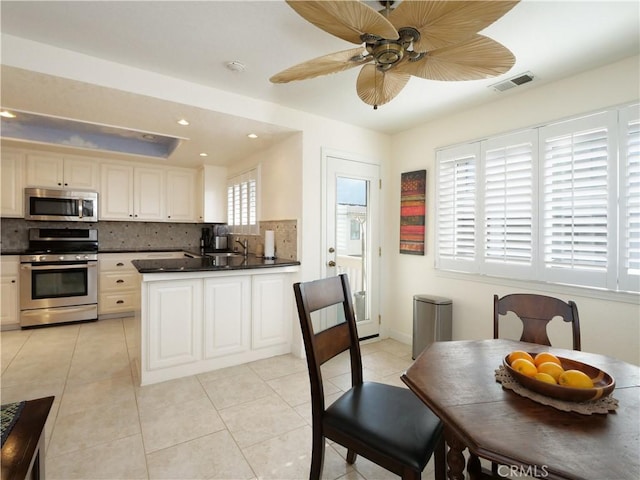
{"points": [[431, 39]]}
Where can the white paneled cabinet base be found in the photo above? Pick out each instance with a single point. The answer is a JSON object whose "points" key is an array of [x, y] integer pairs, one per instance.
{"points": [[194, 322]]}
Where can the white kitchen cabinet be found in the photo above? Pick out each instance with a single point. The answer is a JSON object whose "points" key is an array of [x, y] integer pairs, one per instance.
{"points": [[57, 171], [9, 292], [12, 183], [148, 194], [181, 196], [116, 193], [131, 193], [119, 281], [271, 319], [244, 316], [212, 205], [175, 323], [227, 316]]}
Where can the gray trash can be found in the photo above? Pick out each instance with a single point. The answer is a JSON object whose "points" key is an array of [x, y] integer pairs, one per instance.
{"points": [[431, 321]]}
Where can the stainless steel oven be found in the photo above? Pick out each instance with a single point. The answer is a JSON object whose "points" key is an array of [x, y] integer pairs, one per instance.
{"points": [[59, 277]]}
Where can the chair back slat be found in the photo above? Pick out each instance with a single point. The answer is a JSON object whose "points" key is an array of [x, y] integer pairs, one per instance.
{"points": [[331, 342]]}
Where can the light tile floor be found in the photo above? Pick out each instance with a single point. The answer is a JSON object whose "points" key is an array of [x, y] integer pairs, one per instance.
{"points": [[246, 422]]}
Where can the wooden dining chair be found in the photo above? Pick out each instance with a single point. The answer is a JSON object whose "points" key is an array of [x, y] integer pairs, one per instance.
{"points": [[536, 311], [386, 424]]}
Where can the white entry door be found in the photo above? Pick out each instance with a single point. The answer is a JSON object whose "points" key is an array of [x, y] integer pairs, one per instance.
{"points": [[351, 233]]}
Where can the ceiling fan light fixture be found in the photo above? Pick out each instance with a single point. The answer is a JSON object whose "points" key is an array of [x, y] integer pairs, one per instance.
{"points": [[387, 53]]}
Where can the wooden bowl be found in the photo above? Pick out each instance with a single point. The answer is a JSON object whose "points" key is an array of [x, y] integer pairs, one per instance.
{"points": [[603, 383]]}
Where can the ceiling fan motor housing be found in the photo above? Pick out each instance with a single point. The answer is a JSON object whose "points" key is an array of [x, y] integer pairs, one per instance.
{"points": [[387, 53]]}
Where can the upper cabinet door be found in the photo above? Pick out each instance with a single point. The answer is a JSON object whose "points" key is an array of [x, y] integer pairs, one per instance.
{"points": [[148, 190], [12, 184], [181, 196], [45, 170], [81, 173], [116, 193]]}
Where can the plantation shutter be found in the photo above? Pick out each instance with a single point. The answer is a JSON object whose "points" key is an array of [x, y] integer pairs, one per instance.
{"points": [[629, 245], [579, 221], [456, 207], [509, 227], [242, 207]]}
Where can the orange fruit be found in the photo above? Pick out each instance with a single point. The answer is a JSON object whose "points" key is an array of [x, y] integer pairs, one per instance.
{"points": [[519, 354], [545, 357], [545, 377], [575, 379], [525, 367], [551, 368]]}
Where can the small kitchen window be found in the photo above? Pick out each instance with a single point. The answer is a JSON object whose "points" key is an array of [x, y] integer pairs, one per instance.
{"points": [[242, 202]]}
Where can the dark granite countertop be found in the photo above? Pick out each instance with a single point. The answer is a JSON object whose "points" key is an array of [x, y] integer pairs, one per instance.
{"points": [[207, 263]]}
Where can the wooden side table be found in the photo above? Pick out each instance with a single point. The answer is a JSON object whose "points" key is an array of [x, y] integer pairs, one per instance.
{"points": [[23, 452]]}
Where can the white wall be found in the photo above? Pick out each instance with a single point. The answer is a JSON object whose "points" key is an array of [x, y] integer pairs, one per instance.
{"points": [[609, 322], [281, 173]]}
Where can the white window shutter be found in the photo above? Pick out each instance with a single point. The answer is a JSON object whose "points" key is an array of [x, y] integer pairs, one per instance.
{"points": [[509, 221], [242, 203], [456, 208], [629, 242], [577, 185]]}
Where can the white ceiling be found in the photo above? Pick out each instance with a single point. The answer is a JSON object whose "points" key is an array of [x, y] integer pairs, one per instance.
{"points": [[194, 40]]}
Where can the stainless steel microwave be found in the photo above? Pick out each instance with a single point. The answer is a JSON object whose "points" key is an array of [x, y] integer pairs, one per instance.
{"points": [[60, 205]]}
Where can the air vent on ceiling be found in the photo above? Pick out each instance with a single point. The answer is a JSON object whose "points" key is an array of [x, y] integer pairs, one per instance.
{"points": [[513, 82]]}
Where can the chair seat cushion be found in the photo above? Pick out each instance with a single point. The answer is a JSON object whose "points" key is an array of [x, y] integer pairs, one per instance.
{"points": [[389, 418]]}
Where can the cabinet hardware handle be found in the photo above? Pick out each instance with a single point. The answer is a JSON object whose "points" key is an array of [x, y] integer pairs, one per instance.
{"points": [[120, 301], [332, 263], [130, 215], [119, 281], [13, 281], [119, 264]]}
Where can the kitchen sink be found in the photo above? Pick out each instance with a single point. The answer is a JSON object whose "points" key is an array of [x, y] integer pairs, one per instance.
{"points": [[223, 254]]}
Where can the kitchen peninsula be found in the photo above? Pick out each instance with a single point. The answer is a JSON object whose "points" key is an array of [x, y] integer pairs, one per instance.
{"points": [[201, 314]]}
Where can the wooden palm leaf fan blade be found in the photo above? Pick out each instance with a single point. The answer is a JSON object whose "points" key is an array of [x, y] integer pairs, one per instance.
{"points": [[443, 23], [346, 19], [376, 87], [332, 63], [476, 58]]}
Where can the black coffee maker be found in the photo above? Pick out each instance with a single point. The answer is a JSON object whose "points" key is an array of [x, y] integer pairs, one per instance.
{"points": [[205, 239]]}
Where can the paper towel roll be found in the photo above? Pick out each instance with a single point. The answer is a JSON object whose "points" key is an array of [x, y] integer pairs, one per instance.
{"points": [[269, 244]]}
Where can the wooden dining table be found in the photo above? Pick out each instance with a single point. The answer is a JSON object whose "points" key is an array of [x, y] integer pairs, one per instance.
{"points": [[522, 436]]}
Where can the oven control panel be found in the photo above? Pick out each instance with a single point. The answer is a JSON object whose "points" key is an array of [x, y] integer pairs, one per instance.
{"points": [[54, 257]]}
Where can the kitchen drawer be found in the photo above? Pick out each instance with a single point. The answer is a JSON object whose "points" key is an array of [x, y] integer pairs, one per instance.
{"points": [[118, 302], [119, 281], [118, 264]]}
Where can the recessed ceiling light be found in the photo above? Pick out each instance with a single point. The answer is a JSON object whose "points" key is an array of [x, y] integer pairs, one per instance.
{"points": [[7, 114], [183, 121], [204, 154], [148, 136], [235, 66], [252, 135]]}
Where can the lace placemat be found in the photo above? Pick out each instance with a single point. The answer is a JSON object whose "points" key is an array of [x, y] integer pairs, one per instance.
{"points": [[602, 405]]}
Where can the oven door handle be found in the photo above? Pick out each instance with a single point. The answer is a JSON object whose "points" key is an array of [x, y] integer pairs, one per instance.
{"points": [[66, 266]]}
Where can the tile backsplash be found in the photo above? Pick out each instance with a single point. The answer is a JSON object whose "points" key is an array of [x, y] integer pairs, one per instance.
{"points": [[137, 236]]}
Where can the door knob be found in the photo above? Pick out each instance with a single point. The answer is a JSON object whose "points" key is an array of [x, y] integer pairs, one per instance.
{"points": [[332, 263]]}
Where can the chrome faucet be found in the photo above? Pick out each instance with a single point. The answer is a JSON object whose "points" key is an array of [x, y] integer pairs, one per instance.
{"points": [[245, 247]]}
